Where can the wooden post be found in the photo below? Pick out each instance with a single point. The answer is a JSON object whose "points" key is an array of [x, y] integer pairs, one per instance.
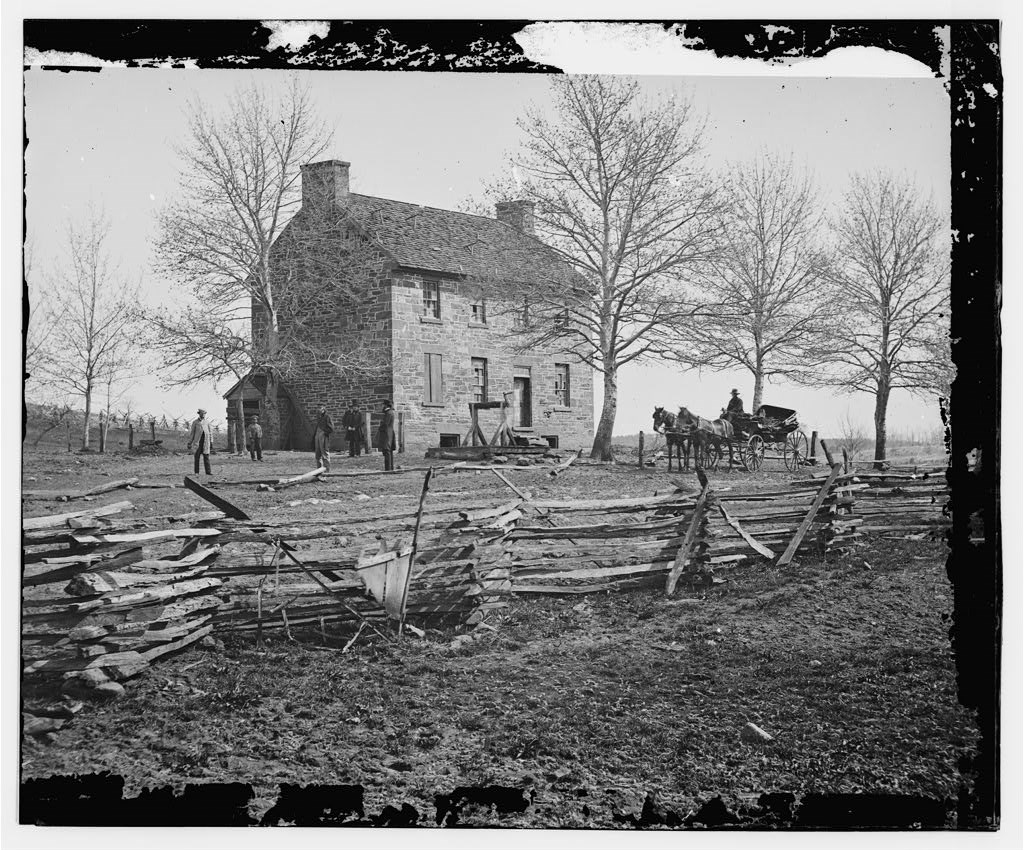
{"points": [[699, 510], [640, 452], [828, 454], [152, 430], [814, 440], [103, 435], [401, 432], [131, 436], [794, 544], [846, 461], [68, 426], [369, 437]]}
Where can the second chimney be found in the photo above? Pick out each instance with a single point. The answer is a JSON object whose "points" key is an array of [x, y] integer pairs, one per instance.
{"points": [[518, 214], [325, 183]]}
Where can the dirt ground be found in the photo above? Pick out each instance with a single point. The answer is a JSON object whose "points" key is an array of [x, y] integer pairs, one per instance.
{"points": [[578, 706]]}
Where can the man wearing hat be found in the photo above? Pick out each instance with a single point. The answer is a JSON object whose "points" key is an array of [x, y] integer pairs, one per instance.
{"points": [[386, 436], [735, 404], [254, 433], [350, 422], [322, 438], [201, 435]]}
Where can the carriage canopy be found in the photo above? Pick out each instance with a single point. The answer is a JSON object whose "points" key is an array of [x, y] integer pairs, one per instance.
{"points": [[770, 411]]}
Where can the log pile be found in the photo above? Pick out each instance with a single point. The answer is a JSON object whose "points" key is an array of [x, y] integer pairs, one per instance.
{"points": [[897, 502], [106, 593], [676, 536]]}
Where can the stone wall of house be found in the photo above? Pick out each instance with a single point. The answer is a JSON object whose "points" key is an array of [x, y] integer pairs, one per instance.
{"points": [[335, 327], [458, 339]]}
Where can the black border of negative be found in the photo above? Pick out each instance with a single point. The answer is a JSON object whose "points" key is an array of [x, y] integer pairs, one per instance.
{"points": [[975, 569]]}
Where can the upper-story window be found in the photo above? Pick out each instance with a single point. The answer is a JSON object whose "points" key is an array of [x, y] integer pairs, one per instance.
{"points": [[478, 309], [521, 316], [479, 365], [562, 384], [432, 299]]}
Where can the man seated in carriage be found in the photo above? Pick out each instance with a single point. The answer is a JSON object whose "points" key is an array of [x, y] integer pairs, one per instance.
{"points": [[735, 406]]}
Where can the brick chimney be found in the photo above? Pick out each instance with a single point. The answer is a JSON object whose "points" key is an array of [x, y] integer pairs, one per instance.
{"points": [[518, 214], [324, 183]]}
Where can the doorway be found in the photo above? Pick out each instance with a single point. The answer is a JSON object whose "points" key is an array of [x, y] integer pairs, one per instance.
{"points": [[522, 404]]}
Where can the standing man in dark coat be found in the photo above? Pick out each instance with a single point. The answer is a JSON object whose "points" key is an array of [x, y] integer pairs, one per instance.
{"points": [[201, 436], [255, 434], [386, 436], [322, 439], [351, 424]]}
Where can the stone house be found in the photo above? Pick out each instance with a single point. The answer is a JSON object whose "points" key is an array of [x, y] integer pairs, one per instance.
{"points": [[424, 316]]}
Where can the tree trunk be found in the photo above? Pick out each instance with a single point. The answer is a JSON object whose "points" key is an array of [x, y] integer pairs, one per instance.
{"points": [[602, 449], [881, 407], [103, 433], [239, 425], [758, 390], [88, 415]]}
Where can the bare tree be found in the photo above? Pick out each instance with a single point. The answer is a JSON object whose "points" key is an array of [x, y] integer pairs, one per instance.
{"points": [[95, 303], [763, 292], [198, 346], [619, 193], [852, 435], [43, 319], [890, 287], [258, 278]]}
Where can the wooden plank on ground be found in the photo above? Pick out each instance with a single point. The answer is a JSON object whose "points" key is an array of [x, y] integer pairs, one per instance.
{"points": [[801, 531], [56, 520], [306, 477], [111, 485], [760, 548], [220, 502], [558, 470]]}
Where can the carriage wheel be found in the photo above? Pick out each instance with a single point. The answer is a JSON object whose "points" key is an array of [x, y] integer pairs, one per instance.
{"points": [[753, 453], [797, 449]]}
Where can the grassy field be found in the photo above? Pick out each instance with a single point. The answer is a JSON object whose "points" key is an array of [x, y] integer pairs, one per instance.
{"points": [[579, 707]]}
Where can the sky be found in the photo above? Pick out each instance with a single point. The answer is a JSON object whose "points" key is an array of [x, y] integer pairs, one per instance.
{"points": [[108, 139]]}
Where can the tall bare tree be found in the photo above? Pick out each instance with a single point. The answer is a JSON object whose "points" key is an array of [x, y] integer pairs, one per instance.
{"points": [[257, 279], [890, 288], [765, 311], [620, 194], [91, 316], [43, 320]]}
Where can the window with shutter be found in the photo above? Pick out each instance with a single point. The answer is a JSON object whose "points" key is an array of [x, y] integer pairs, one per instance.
{"points": [[433, 389], [562, 384]]}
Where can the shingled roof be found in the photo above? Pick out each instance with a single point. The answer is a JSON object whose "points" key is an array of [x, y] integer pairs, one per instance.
{"points": [[455, 243]]}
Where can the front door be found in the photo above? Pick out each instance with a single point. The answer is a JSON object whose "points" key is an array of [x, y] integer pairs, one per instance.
{"points": [[522, 404]]}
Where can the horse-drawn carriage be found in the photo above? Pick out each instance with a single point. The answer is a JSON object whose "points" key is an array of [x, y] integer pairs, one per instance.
{"points": [[744, 435]]}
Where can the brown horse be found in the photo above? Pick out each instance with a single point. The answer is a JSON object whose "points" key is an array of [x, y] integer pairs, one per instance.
{"points": [[677, 437], [709, 434]]}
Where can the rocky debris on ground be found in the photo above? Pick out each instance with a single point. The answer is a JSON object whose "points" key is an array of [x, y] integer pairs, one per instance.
{"points": [[754, 734]]}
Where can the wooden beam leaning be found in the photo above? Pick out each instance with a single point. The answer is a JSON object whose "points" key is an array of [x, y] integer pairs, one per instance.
{"points": [[412, 554], [760, 548], [819, 500], [691, 535], [217, 501]]}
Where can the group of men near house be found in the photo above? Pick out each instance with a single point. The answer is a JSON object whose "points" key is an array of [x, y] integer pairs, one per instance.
{"points": [[201, 436], [355, 435]]}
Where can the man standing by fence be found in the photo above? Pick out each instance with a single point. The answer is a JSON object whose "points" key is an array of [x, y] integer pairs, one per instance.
{"points": [[254, 436], [201, 436], [351, 425], [322, 439], [386, 436]]}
